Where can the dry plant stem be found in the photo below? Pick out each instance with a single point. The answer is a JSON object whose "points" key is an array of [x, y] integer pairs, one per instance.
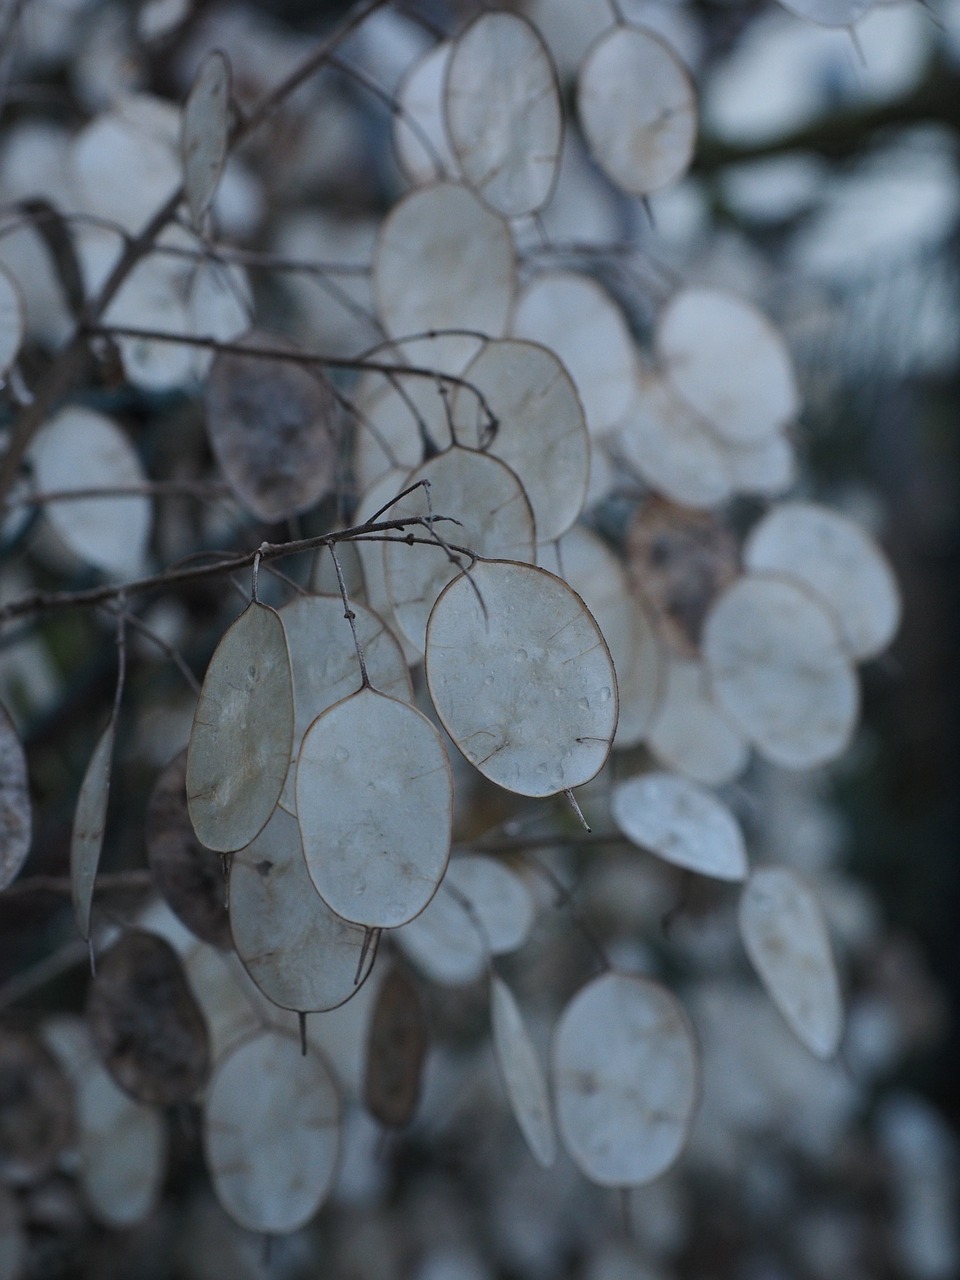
{"points": [[360, 363], [52, 601], [203, 491], [63, 374]]}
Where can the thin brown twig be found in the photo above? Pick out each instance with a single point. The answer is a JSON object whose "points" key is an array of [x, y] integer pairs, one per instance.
{"points": [[53, 601]]}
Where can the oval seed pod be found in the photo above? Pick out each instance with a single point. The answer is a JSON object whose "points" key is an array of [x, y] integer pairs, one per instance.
{"points": [[445, 942], [503, 112], [273, 426], [575, 318], [81, 449], [495, 520], [271, 1131], [16, 818], [122, 1143], [145, 1022], [541, 431], [672, 447], [597, 574], [375, 804], [779, 670], [785, 935], [36, 1109], [89, 823], [626, 1079], [523, 1078], [638, 109], [444, 261], [521, 677], [242, 736], [188, 876], [690, 733], [324, 664], [835, 558], [682, 823], [495, 897], [726, 359], [397, 1043], [680, 561], [205, 132], [295, 949]]}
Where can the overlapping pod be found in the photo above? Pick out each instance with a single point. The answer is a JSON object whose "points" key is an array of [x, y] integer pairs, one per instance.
{"points": [[374, 803], [541, 431], [81, 449], [779, 669], [834, 558], [503, 112], [483, 909], [444, 261], [521, 677], [273, 427], [488, 500], [299, 953], [242, 736], [271, 1130]]}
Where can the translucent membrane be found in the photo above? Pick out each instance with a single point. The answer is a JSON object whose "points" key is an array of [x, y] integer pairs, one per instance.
{"points": [[595, 573], [205, 132], [638, 109], [779, 670], [324, 663], [523, 1077], [374, 803], [689, 731], [729, 363], [672, 447], [626, 1079], [273, 428], [785, 935], [242, 736], [522, 678], [503, 112], [397, 1044], [81, 449], [16, 818], [89, 824], [37, 1109], [299, 953], [541, 431], [680, 560], [832, 556], [188, 875], [494, 516], [444, 261], [682, 823], [157, 1050], [573, 316], [122, 1144], [272, 1133]]}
